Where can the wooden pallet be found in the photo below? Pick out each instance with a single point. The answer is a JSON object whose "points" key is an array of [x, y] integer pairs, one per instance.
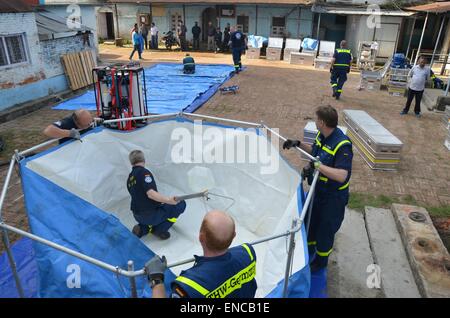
{"points": [[78, 68]]}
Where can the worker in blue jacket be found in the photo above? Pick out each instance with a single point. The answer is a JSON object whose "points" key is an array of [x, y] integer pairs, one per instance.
{"points": [[222, 272], [238, 45], [188, 64], [334, 151], [154, 212], [340, 67]]}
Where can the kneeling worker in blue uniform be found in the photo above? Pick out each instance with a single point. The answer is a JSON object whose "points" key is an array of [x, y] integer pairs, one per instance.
{"points": [[153, 211], [334, 150], [221, 272], [188, 65]]}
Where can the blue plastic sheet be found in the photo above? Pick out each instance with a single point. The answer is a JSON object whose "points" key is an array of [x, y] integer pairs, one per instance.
{"points": [[66, 219], [256, 41], [84, 228], [27, 270], [309, 44], [168, 89]]}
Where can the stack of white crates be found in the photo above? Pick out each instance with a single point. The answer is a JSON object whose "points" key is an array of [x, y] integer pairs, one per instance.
{"points": [[292, 45], [370, 80], [377, 145], [274, 49], [398, 81], [306, 57], [326, 52]]}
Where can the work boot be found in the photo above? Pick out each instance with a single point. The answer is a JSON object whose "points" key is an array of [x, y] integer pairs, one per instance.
{"points": [[163, 235], [137, 230], [337, 96], [403, 112]]}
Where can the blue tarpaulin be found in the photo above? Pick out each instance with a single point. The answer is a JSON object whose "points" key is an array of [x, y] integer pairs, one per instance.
{"points": [[26, 265], [66, 219], [168, 89]]}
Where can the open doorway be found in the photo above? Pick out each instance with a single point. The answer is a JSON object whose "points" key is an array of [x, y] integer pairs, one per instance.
{"points": [[105, 25], [109, 25], [208, 15]]}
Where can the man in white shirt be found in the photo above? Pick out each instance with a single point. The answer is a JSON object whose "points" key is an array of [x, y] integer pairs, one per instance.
{"points": [[417, 78], [154, 33]]}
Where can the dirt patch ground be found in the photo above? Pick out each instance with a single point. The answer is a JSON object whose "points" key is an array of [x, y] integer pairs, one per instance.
{"points": [[284, 97]]}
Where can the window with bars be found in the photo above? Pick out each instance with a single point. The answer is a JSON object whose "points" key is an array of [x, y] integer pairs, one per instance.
{"points": [[12, 49], [278, 26], [242, 23]]}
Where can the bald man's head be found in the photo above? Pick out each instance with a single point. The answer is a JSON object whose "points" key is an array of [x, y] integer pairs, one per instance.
{"points": [[217, 231], [83, 118]]}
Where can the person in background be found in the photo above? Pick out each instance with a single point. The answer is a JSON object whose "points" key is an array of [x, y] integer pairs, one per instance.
{"points": [[136, 39], [340, 67], [226, 38], [188, 65], [144, 31], [417, 78], [218, 40], [135, 28], [238, 44], [196, 30], [211, 32], [182, 35], [154, 34]]}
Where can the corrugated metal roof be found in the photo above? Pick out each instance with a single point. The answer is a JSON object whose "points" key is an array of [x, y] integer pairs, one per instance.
{"points": [[436, 7], [14, 6], [347, 10], [51, 26], [274, 2]]}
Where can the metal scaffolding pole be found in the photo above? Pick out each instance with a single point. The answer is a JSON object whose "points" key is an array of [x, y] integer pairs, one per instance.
{"points": [[132, 280], [437, 41], [5, 238], [318, 26], [411, 35], [421, 38]]}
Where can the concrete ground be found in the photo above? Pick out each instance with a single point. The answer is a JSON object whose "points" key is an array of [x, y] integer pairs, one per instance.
{"points": [[284, 96]]}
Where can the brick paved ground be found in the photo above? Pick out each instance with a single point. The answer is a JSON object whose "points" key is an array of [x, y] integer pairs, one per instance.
{"points": [[285, 97]]}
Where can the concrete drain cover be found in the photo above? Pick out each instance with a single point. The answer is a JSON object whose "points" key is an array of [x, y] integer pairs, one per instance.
{"points": [[417, 217]]}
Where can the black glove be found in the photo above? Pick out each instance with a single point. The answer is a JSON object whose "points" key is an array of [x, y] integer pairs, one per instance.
{"points": [[308, 172], [155, 268], [348, 70], [288, 144]]}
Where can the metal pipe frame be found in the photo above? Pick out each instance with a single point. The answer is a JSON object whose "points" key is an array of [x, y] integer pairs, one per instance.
{"points": [[410, 36], [131, 273], [110, 121], [421, 39], [437, 42]]}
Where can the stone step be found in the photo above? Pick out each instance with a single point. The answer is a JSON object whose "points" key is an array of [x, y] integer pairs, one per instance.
{"points": [[428, 257], [351, 260], [397, 280]]}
